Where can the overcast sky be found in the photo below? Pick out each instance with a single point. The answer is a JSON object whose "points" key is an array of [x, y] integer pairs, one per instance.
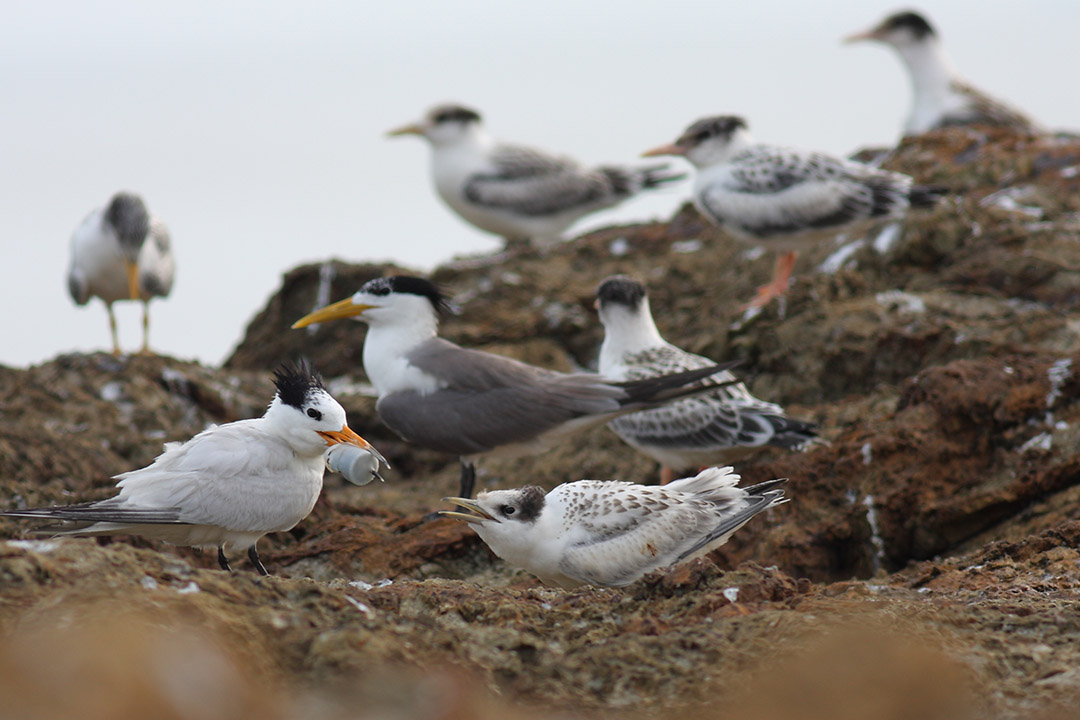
{"points": [[255, 129]]}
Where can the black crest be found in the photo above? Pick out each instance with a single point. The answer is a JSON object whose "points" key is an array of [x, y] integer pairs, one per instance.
{"points": [[716, 126], [296, 381], [411, 285], [620, 290], [128, 215], [532, 502], [453, 113], [908, 20]]}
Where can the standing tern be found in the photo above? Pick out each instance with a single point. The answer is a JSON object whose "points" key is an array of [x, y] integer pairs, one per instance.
{"points": [[518, 192], [784, 198], [121, 252], [230, 484], [609, 533], [471, 403], [941, 97], [718, 427]]}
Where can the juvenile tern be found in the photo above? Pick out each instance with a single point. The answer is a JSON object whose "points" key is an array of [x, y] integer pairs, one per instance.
{"points": [[230, 484], [783, 198], [518, 192], [471, 403], [609, 533], [717, 427], [941, 97], [121, 252]]}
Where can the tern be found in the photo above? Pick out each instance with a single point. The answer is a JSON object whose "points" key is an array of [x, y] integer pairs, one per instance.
{"points": [[717, 427], [785, 198], [609, 533], [230, 484], [941, 97], [517, 192], [471, 403], [121, 252]]}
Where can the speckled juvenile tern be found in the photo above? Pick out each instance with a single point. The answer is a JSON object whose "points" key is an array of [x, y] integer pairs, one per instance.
{"points": [[783, 198], [941, 96], [712, 428], [608, 533]]}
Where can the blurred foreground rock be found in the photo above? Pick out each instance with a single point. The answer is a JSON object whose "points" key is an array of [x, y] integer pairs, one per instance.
{"points": [[927, 565]]}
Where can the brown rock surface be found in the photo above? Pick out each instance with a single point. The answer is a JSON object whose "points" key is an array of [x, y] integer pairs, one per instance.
{"points": [[927, 565]]}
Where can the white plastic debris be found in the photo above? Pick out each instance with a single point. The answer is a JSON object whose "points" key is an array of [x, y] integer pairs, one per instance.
{"points": [[356, 465]]}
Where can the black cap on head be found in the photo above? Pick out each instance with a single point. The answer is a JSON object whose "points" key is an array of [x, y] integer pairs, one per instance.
{"points": [[296, 381], [408, 284], [453, 113], [621, 290], [908, 20], [128, 215], [722, 126], [532, 502]]}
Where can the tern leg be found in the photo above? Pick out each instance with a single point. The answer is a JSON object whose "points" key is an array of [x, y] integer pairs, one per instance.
{"points": [[666, 475], [112, 328], [253, 556], [785, 264], [222, 560], [468, 480]]}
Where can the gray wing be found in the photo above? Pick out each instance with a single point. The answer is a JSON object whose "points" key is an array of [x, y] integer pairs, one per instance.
{"points": [[487, 400], [711, 420], [533, 183], [774, 192], [986, 109], [157, 266]]}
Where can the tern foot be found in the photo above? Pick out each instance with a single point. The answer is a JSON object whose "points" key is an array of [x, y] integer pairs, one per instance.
{"points": [[253, 556], [765, 295], [222, 560]]}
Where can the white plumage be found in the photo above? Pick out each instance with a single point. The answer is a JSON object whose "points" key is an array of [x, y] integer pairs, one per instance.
{"points": [[230, 484], [121, 252], [610, 533], [518, 192], [940, 96], [783, 198], [721, 426]]}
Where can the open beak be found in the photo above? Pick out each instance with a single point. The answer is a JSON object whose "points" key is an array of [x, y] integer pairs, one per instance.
{"points": [[671, 149], [477, 515], [341, 309], [860, 36], [347, 436], [132, 271], [411, 129]]}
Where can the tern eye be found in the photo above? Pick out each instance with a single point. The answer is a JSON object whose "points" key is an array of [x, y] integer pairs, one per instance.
{"points": [[507, 509], [314, 414], [380, 290]]}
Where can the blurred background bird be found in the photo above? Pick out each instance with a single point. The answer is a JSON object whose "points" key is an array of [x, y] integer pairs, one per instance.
{"points": [[121, 252]]}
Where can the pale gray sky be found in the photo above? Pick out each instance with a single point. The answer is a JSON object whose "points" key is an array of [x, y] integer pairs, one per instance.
{"points": [[255, 129]]}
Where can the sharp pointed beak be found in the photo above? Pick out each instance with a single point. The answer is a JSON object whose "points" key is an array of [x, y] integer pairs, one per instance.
{"points": [[347, 436], [341, 309], [671, 149], [478, 514], [410, 129], [860, 37], [132, 271]]}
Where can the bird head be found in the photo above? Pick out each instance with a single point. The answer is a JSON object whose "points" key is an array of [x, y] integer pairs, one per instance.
{"points": [[443, 124], [398, 299], [501, 516], [903, 29], [708, 141]]}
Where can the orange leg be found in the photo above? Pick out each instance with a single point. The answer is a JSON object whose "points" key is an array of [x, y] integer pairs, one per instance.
{"points": [[666, 475], [785, 263]]}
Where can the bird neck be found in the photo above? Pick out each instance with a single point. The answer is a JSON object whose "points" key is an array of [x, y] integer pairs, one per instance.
{"points": [[284, 421], [931, 71], [387, 346], [627, 331]]}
